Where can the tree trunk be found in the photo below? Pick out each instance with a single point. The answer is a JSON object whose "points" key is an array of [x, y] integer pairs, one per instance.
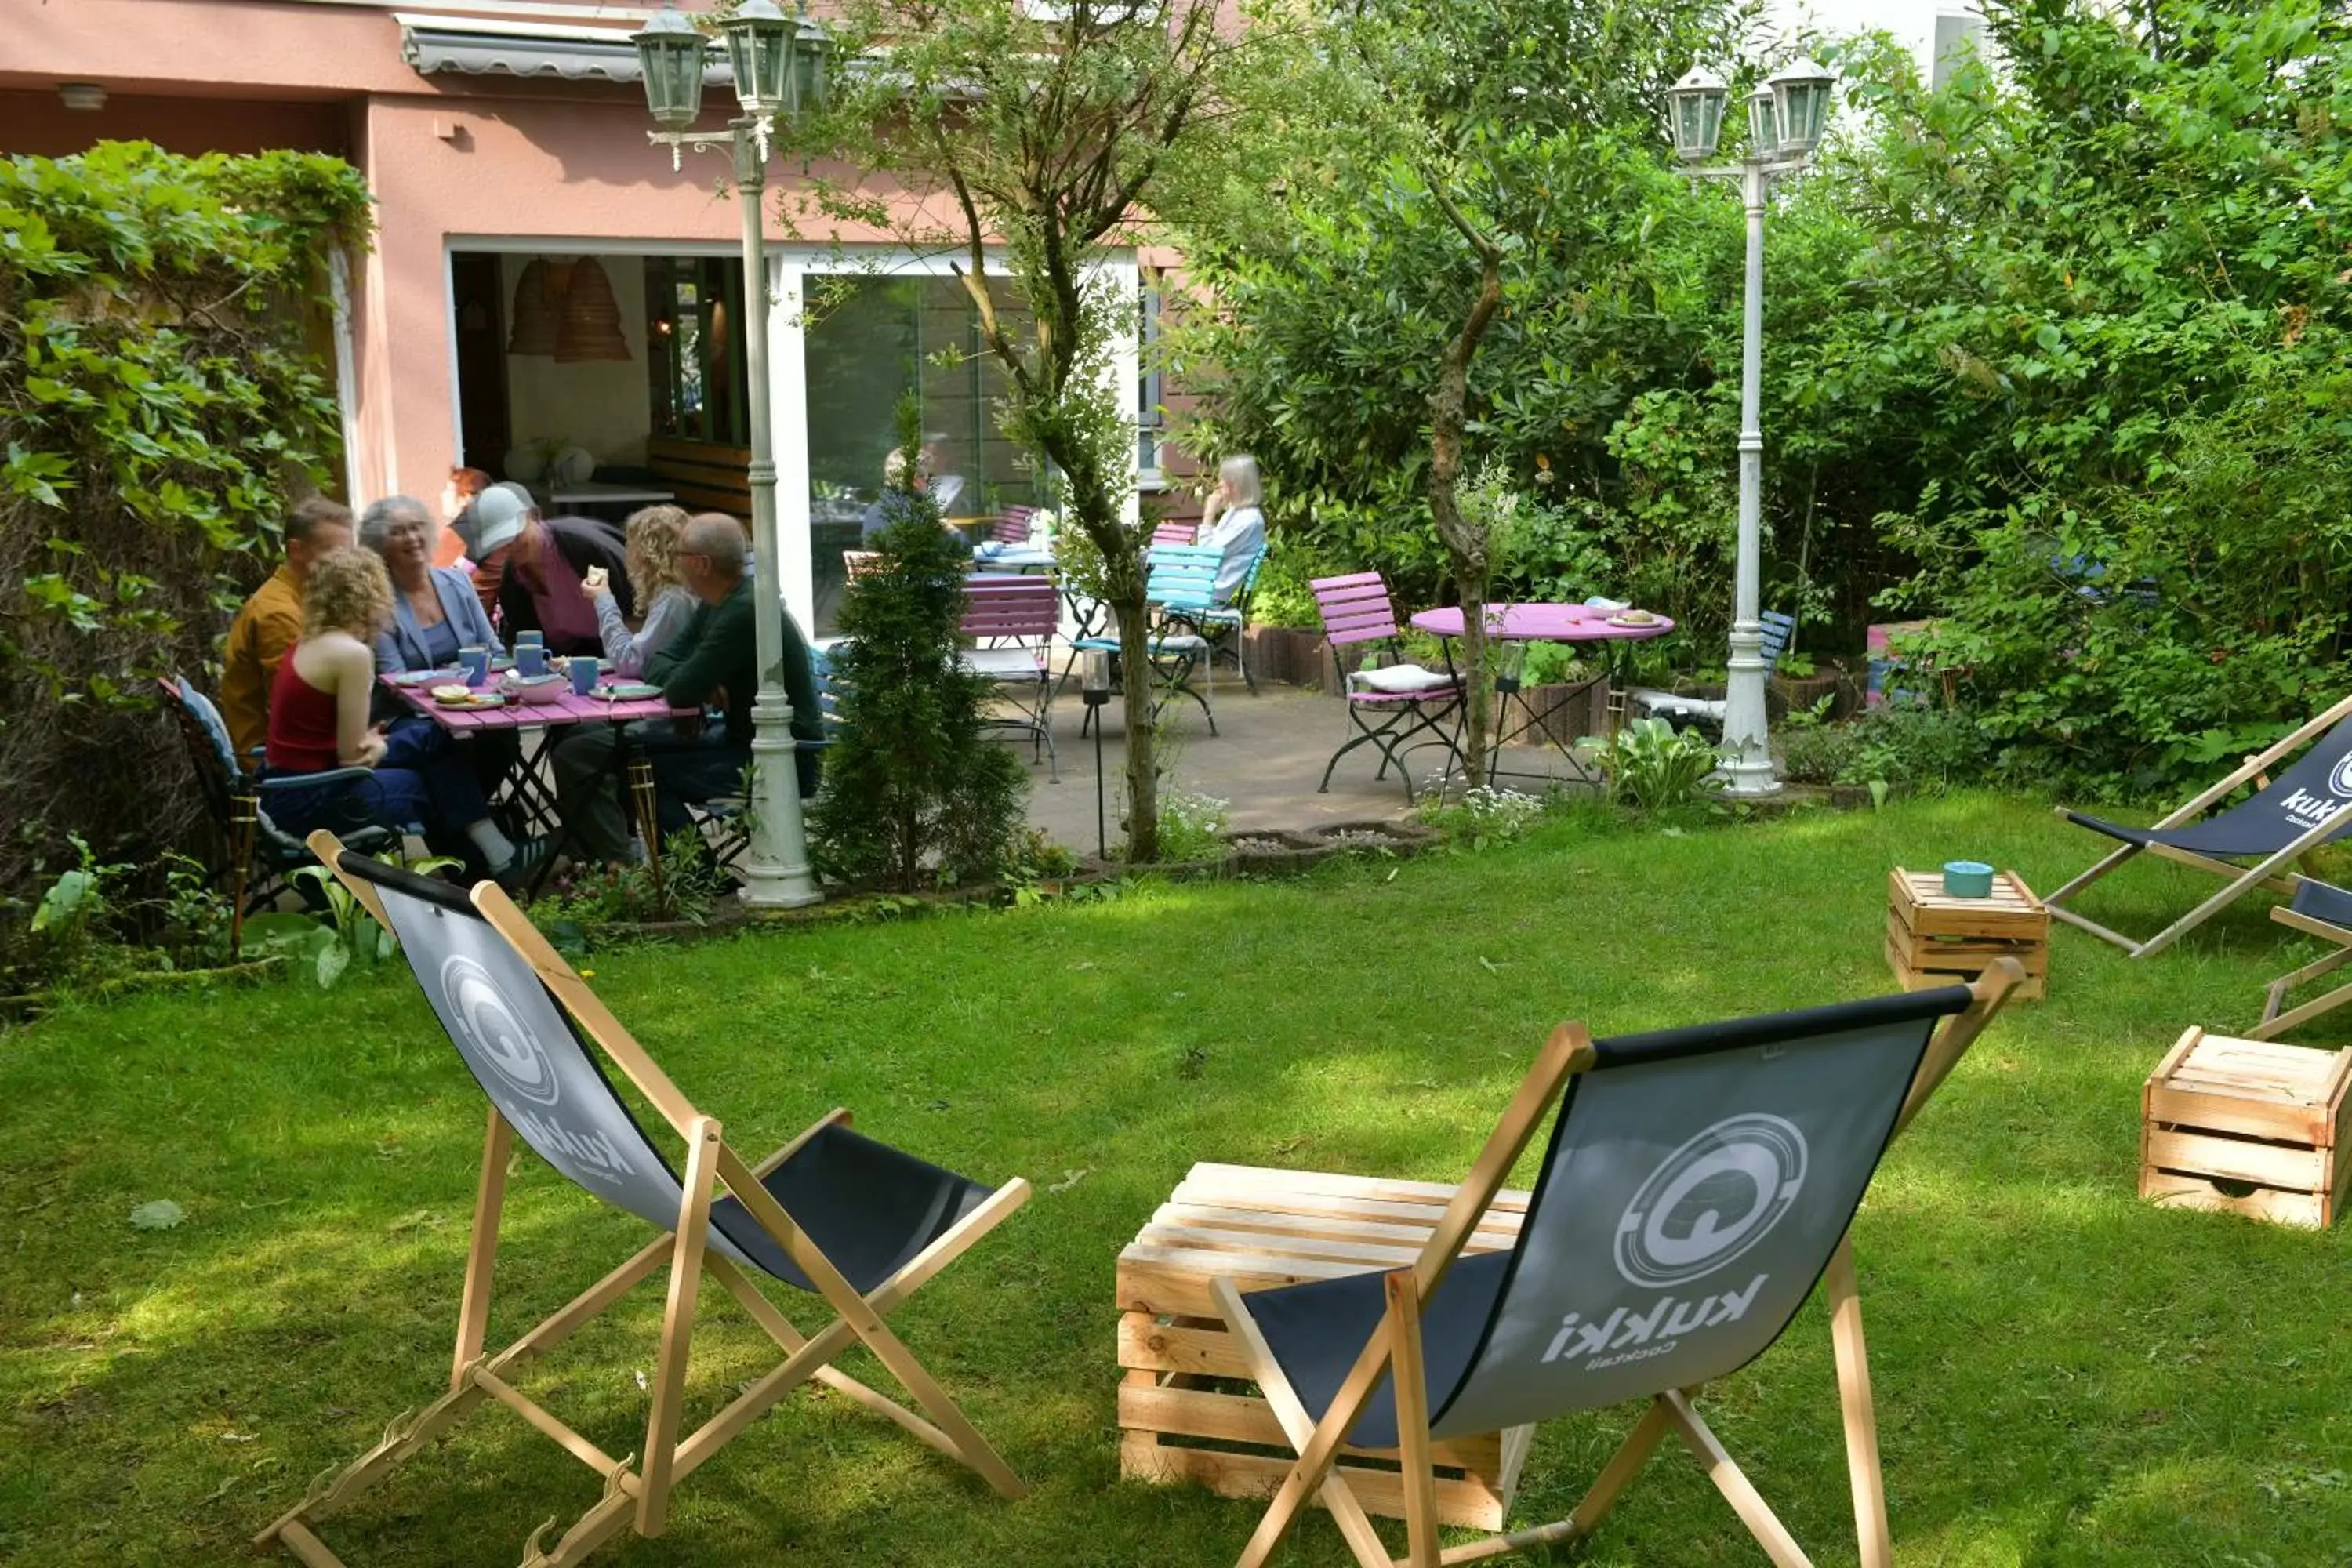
{"points": [[1468, 548], [1142, 741]]}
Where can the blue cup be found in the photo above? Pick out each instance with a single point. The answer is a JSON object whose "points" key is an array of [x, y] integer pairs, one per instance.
{"points": [[584, 674], [476, 663], [1967, 880], [530, 658]]}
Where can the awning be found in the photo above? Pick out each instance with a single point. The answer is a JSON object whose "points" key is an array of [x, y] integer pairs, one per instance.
{"points": [[430, 44]]}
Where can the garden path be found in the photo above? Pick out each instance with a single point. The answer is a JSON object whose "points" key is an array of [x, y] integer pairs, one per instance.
{"points": [[1265, 762]]}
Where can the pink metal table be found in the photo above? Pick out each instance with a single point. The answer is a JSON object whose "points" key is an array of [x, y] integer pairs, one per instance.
{"points": [[1544, 622], [527, 792]]}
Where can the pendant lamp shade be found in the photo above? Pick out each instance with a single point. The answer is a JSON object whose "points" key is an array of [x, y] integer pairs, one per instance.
{"points": [[535, 314], [590, 328]]}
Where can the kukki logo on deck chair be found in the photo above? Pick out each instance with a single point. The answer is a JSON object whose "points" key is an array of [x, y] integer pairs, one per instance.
{"points": [[1710, 1201], [2315, 809], [1704, 1206], [498, 1040]]}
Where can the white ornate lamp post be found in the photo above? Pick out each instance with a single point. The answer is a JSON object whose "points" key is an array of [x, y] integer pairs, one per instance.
{"points": [[1785, 120], [779, 63]]}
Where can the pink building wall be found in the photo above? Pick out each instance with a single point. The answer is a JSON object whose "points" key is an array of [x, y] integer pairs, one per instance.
{"points": [[449, 157]]}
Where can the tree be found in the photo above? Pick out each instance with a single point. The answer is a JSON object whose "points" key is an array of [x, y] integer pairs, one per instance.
{"points": [[1478, 156], [914, 788], [1055, 133]]}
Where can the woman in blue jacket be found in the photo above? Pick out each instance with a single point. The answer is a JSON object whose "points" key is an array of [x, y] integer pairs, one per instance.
{"points": [[434, 610]]}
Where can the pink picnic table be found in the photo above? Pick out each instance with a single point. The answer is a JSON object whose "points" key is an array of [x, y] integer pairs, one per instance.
{"points": [[529, 793], [1543, 623]]}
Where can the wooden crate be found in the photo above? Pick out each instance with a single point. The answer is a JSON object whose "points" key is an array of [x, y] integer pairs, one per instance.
{"points": [[2251, 1127], [1188, 1409], [1935, 938]]}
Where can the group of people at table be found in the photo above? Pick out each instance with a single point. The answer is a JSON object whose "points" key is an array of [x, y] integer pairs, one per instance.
{"points": [[665, 600]]}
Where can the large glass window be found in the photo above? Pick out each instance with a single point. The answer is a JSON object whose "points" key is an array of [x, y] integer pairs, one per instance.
{"points": [[868, 340]]}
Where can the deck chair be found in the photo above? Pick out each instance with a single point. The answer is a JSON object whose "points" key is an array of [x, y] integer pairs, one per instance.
{"points": [[1180, 586], [1407, 699], [832, 1212], [2284, 819], [1696, 1183], [1012, 622], [2320, 910]]}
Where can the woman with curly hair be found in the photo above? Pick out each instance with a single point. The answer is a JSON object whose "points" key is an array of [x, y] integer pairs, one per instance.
{"points": [[653, 535], [318, 724]]}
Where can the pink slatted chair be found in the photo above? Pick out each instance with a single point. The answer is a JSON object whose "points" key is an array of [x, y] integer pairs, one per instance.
{"points": [[1406, 698], [1011, 525], [1012, 622], [1174, 533]]}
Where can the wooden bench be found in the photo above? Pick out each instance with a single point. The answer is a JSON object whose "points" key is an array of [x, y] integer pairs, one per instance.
{"points": [[1187, 1408]]}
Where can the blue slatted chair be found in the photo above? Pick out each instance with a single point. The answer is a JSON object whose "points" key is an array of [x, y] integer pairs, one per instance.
{"points": [[1708, 711], [1180, 587], [1227, 625]]}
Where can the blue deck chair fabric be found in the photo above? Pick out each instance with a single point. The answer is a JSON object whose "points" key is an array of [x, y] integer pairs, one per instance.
{"points": [[852, 1220], [2287, 815], [1696, 1185]]}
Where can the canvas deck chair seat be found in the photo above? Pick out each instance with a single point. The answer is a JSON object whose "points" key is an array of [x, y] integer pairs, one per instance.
{"points": [[833, 1213], [2286, 818], [1697, 1183]]}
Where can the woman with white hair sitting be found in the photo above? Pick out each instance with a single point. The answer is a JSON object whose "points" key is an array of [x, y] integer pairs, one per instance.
{"points": [[1234, 522], [434, 610]]}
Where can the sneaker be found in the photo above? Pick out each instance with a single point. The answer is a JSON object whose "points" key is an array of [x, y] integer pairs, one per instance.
{"points": [[528, 856]]}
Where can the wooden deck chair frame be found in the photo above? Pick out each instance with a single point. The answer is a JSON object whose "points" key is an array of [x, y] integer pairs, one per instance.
{"points": [[637, 1487], [1569, 1052], [2271, 871], [2275, 1023]]}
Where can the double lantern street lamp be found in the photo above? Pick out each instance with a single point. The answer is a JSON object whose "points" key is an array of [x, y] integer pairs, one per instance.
{"points": [[779, 63], [1785, 120]]}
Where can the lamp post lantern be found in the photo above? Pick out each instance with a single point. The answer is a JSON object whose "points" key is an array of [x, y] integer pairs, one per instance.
{"points": [[779, 66], [1785, 121]]}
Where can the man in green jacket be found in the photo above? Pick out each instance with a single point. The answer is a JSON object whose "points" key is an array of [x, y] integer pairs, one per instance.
{"points": [[713, 662]]}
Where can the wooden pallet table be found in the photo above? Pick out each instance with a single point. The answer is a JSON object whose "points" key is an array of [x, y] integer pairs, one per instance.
{"points": [[1934, 939], [2251, 1127], [1186, 1407]]}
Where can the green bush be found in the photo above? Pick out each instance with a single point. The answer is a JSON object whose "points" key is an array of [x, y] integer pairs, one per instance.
{"points": [[1819, 754], [1926, 748], [159, 402], [915, 791]]}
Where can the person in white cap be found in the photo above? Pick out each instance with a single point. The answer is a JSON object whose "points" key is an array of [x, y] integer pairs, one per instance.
{"points": [[527, 569]]}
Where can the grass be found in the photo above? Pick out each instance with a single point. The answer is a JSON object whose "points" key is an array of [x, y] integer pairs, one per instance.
{"points": [[2063, 1374]]}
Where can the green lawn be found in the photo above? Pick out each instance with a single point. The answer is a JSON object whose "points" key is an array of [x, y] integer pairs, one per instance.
{"points": [[2063, 1375]]}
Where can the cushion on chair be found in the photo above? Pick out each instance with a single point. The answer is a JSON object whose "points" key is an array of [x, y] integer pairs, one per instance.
{"points": [[1402, 680]]}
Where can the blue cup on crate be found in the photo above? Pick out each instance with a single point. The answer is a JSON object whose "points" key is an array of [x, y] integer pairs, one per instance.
{"points": [[530, 658], [1967, 880], [476, 663]]}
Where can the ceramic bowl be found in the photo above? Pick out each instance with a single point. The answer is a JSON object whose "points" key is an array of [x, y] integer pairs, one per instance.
{"points": [[1967, 880]]}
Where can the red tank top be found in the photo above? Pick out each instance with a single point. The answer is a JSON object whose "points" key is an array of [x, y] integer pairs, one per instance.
{"points": [[302, 724]]}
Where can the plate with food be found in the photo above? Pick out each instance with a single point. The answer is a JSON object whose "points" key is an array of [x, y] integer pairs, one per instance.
{"points": [[629, 692], [1634, 618], [467, 697], [427, 677]]}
